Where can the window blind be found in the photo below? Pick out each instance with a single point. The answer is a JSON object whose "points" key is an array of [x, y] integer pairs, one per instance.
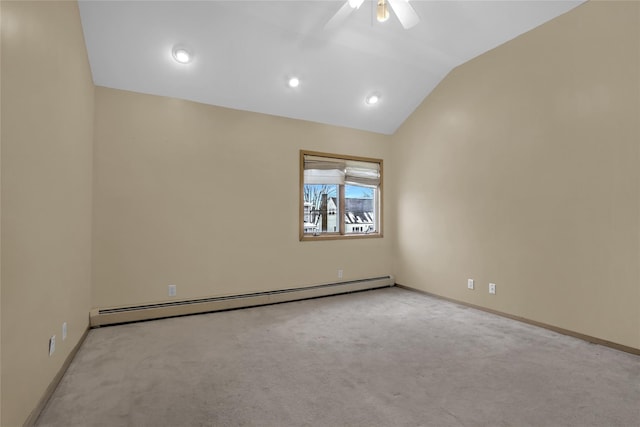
{"points": [[323, 170], [362, 173], [327, 170]]}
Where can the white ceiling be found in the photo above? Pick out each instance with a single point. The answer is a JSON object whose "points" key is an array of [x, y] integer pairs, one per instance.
{"points": [[245, 51]]}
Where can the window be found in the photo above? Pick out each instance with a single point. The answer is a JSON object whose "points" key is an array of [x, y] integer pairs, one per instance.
{"points": [[340, 196]]}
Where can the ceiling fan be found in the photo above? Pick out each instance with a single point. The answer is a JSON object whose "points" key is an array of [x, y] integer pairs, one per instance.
{"points": [[402, 9]]}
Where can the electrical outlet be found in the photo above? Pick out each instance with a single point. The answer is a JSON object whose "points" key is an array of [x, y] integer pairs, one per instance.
{"points": [[469, 283], [64, 331], [492, 288], [340, 274], [172, 290], [52, 345]]}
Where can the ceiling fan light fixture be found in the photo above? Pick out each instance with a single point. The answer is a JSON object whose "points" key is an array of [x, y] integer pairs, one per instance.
{"points": [[382, 11]]}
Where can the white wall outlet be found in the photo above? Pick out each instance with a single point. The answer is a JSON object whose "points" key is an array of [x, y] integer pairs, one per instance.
{"points": [[172, 290], [340, 274], [469, 283], [52, 345], [64, 331], [492, 288]]}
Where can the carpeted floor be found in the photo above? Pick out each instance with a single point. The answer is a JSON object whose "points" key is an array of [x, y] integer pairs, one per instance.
{"points": [[389, 357]]}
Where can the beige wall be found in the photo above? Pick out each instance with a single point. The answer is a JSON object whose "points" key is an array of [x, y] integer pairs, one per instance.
{"points": [[46, 165], [206, 198], [521, 169]]}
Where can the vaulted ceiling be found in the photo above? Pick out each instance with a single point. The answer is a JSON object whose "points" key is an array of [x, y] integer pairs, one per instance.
{"points": [[244, 52]]}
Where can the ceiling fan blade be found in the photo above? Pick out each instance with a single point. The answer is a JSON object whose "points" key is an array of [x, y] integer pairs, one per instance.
{"points": [[405, 13], [339, 17]]}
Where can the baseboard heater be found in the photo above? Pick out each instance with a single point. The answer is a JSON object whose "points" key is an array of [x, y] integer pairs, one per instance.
{"points": [[115, 315]]}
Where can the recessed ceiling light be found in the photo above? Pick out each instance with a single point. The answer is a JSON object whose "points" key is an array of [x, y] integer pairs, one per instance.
{"points": [[372, 99], [294, 82], [181, 55]]}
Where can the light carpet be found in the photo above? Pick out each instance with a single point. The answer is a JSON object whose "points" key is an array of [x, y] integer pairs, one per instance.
{"points": [[388, 357]]}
